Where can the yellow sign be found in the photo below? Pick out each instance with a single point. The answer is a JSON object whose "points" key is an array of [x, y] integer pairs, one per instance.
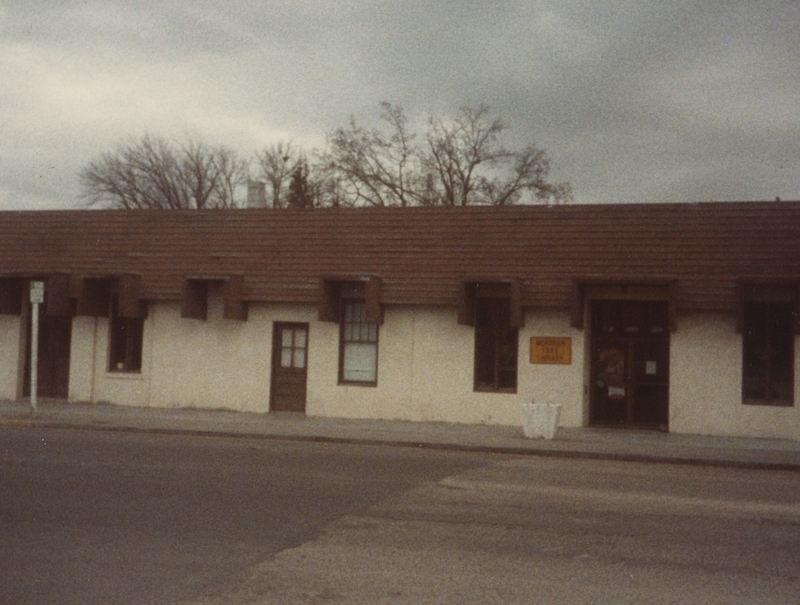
{"points": [[551, 350]]}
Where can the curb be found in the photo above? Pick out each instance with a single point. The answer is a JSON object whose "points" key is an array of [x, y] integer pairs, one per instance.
{"points": [[441, 446]]}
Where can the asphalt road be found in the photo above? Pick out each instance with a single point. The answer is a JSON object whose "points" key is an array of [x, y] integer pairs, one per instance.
{"points": [[105, 517], [109, 517]]}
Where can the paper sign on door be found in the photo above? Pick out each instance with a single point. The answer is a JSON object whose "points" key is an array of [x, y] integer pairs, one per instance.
{"points": [[616, 392]]}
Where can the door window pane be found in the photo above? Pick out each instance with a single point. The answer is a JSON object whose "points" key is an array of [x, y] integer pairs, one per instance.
{"points": [[293, 348]]}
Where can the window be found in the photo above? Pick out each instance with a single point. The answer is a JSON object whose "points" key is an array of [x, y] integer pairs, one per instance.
{"points": [[495, 345], [768, 353], [125, 342], [358, 358]]}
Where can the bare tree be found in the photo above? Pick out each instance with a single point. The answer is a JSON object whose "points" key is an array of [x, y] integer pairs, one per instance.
{"points": [[375, 168], [276, 164], [153, 173], [325, 183], [470, 166], [457, 149], [458, 161], [233, 173], [462, 162]]}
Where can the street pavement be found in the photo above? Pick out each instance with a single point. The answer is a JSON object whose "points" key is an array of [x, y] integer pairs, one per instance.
{"points": [[594, 443]]}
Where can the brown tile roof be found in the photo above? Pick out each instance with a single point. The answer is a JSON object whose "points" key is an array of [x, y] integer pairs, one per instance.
{"points": [[421, 254]]}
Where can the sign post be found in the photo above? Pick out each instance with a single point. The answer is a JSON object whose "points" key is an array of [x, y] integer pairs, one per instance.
{"points": [[37, 298]]}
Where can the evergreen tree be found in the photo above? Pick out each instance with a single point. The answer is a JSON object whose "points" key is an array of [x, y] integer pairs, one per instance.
{"points": [[300, 195]]}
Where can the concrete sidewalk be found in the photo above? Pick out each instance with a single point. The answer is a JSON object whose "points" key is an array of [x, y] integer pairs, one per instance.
{"points": [[610, 444]]}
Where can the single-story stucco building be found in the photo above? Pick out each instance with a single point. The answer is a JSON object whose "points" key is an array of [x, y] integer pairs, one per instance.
{"points": [[679, 317]]}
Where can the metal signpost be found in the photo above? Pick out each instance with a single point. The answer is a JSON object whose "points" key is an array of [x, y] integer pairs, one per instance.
{"points": [[37, 298]]}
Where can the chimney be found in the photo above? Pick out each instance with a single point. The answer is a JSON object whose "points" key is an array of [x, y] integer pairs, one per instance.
{"points": [[256, 194]]}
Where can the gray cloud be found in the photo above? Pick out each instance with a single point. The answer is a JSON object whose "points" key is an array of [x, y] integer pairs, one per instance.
{"points": [[634, 101]]}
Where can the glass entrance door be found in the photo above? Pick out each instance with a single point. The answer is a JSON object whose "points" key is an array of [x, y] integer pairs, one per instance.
{"points": [[630, 364]]}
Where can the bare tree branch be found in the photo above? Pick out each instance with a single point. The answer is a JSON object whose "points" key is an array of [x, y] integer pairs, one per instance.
{"points": [[276, 164], [232, 172], [461, 163], [152, 173], [377, 169], [457, 161]]}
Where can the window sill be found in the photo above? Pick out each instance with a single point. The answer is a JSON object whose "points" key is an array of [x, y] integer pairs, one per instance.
{"points": [[490, 390], [124, 375], [768, 404], [352, 383]]}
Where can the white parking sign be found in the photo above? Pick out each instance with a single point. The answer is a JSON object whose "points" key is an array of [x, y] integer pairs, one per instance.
{"points": [[37, 292]]}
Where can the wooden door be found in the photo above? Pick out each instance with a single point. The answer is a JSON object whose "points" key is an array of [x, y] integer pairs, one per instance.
{"points": [[289, 367], [55, 340]]}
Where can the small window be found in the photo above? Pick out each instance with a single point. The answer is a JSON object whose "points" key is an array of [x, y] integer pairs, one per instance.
{"points": [[125, 342], [358, 359], [768, 353], [496, 344]]}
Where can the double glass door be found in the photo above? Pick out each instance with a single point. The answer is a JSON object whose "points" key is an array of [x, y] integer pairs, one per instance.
{"points": [[630, 364]]}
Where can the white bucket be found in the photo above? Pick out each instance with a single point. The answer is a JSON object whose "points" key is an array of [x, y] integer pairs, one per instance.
{"points": [[540, 420]]}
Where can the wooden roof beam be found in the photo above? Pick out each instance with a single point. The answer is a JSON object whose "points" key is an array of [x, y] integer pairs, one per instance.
{"points": [[331, 291], [233, 304], [94, 297], [56, 295], [471, 289], [764, 288], [194, 299], [130, 304], [578, 297]]}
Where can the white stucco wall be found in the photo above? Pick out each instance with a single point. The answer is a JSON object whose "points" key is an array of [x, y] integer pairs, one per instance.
{"points": [[425, 366], [82, 358], [10, 365], [562, 384], [389, 399], [425, 372], [425, 369], [217, 363], [706, 383], [115, 387]]}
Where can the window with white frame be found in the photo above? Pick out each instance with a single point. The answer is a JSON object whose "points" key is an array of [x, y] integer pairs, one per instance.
{"points": [[358, 355]]}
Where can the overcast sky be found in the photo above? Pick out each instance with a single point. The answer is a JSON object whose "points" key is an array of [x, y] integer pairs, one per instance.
{"points": [[634, 101]]}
